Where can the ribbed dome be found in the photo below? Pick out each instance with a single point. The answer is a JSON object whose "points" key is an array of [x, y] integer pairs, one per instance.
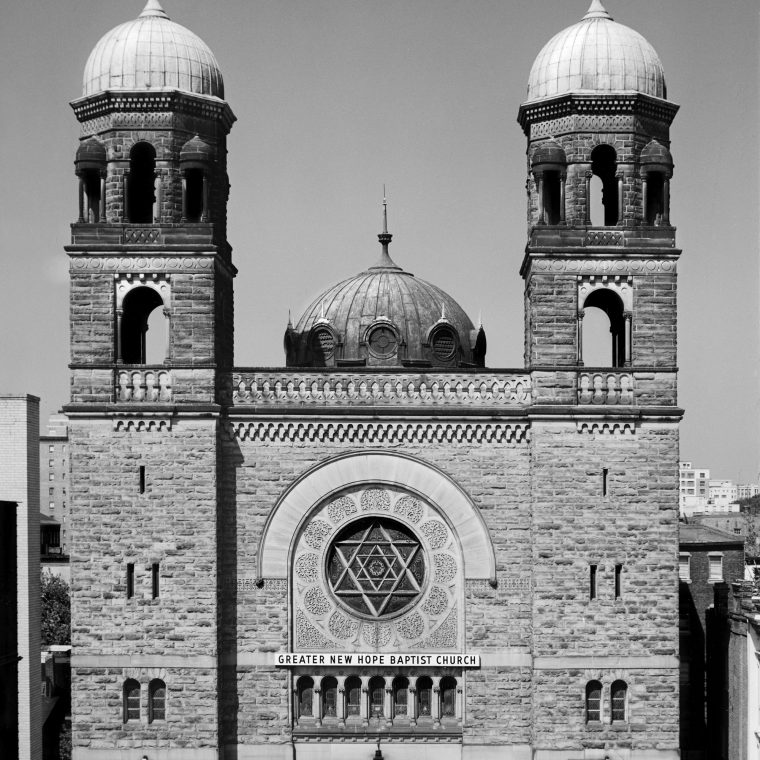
{"points": [[385, 316], [596, 55], [152, 53]]}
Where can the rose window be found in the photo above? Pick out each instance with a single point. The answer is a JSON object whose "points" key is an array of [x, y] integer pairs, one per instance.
{"points": [[376, 567]]}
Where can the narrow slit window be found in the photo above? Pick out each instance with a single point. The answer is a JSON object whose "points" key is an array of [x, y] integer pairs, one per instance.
{"points": [[142, 478], [154, 577], [592, 581], [130, 580], [618, 581], [605, 473]]}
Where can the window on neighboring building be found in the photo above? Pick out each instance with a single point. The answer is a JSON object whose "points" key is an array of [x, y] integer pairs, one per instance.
{"points": [[684, 566], [131, 700], [51, 448], [156, 700], [593, 702], [618, 693], [716, 567], [51, 476], [51, 504], [51, 462]]}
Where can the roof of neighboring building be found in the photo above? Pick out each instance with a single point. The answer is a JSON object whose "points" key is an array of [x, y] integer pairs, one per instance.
{"points": [[48, 520], [694, 534]]}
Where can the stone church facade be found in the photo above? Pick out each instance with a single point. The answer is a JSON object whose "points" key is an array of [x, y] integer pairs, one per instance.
{"points": [[383, 546]]}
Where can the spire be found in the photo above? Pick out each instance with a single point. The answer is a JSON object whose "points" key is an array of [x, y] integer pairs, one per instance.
{"points": [[153, 8], [597, 10], [385, 237], [290, 321]]}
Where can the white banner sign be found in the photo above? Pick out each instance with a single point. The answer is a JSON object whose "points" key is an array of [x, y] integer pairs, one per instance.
{"points": [[377, 659]]}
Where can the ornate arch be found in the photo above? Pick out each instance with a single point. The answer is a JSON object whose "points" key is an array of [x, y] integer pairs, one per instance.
{"points": [[380, 467]]}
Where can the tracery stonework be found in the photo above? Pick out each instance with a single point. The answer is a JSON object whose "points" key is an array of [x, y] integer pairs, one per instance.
{"points": [[378, 567]]}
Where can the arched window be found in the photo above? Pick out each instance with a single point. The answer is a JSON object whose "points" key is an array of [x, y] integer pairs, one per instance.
{"points": [[329, 697], [618, 700], [156, 700], [91, 164], [424, 697], [400, 695], [353, 696], [304, 697], [142, 309], [604, 333], [141, 191], [656, 171], [549, 164], [377, 697], [448, 689], [131, 700], [593, 702], [603, 203]]}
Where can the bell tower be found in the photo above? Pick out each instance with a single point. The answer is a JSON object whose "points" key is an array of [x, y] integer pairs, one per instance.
{"points": [[599, 229], [151, 337]]}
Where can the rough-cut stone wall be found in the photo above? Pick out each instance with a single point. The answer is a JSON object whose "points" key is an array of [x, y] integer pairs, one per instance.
{"points": [[172, 523]]}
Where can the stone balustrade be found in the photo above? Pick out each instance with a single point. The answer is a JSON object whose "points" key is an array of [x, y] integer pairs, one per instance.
{"points": [[608, 388], [147, 384], [482, 389]]}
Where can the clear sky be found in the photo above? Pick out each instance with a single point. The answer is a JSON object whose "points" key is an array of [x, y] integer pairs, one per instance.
{"points": [[335, 98]]}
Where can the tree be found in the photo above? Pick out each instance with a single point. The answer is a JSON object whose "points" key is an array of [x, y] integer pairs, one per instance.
{"points": [[55, 625]]}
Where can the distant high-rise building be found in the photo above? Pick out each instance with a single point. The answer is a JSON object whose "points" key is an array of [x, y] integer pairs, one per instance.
{"points": [[54, 475]]}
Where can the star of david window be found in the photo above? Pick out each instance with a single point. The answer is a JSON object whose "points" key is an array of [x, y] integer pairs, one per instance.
{"points": [[376, 567]]}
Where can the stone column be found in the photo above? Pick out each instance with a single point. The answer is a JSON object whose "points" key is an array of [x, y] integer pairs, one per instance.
{"points": [[628, 332], [102, 204], [435, 702], [411, 701], [204, 212], [587, 207], [666, 201], [125, 196], [364, 701], [184, 197], [540, 190], [316, 700], [620, 204], [168, 344], [389, 706], [340, 707], [644, 196], [458, 707], [581, 314], [157, 201], [119, 314], [562, 192], [81, 198]]}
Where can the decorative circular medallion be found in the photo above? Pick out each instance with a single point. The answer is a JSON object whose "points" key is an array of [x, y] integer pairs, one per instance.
{"points": [[383, 341], [375, 566]]}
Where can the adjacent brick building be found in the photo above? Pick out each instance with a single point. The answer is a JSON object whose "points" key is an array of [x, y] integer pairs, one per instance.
{"points": [[498, 547], [54, 476]]}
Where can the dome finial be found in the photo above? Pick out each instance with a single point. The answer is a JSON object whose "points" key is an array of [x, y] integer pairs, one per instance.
{"points": [[153, 8], [597, 10], [385, 238]]}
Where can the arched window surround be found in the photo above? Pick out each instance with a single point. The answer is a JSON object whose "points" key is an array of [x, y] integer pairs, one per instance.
{"points": [[604, 165], [140, 192], [135, 329], [614, 296], [312, 488], [131, 700], [619, 702], [594, 702], [156, 700]]}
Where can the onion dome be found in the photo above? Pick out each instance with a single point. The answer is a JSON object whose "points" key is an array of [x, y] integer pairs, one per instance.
{"points": [[596, 55], [549, 152], [386, 317], [91, 153], [196, 150], [152, 53], [655, 154]]}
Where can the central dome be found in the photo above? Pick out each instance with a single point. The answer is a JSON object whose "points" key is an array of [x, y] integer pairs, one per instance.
{"points": [[152, 53], [596, 55], [384, 316]]}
